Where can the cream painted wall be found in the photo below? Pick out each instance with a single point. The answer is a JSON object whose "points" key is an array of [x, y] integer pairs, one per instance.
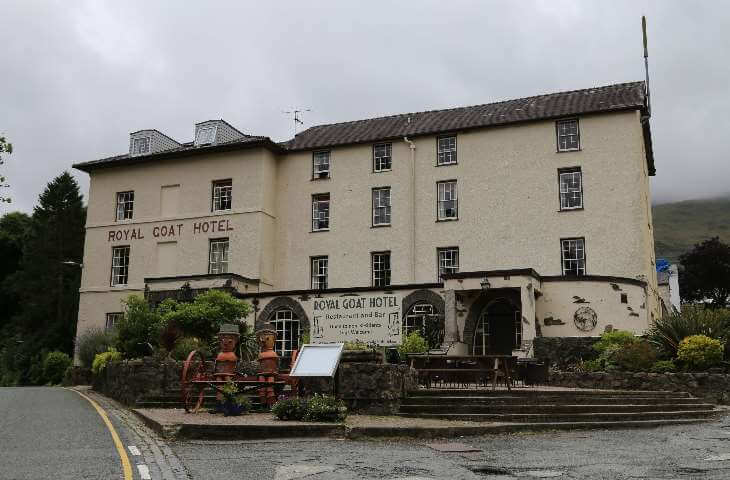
{"points": [[559, 302], [508, 211], [508, 205]]}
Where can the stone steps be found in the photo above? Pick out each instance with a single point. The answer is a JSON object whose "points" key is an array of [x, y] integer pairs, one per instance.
{"points": [[551, 408], [545, 409]]}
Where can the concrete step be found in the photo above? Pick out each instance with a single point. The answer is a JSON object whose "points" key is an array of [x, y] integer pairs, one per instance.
{"points": [[507, 399], [568, 417], [519, 392], [452, 408]]}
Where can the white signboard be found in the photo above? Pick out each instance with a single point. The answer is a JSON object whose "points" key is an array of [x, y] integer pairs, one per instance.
{"points": [[317, 360], [368, 318]]}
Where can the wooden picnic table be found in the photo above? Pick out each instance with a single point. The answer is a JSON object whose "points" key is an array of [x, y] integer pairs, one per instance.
{"points": [[495, 364]]}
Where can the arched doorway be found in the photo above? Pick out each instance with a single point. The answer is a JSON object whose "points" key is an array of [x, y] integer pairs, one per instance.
{"points": [[498, 329]]}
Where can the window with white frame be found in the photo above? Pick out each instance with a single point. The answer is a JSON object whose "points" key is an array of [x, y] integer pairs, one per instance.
{"points": [[288, 332], [448, 200], [112, 320], [382, 157], [125, 205], [206, 135], [416, 318], [568, 135], [222, 195], [141, 145], [571, 188], [381, 269], [319, 273], [446, 150], [481, 335], [381, 206], [321, 164], [320, 212], [573, 256], [120, 265], [218, 257], [448, 261]]}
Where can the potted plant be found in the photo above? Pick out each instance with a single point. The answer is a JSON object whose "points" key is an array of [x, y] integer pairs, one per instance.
{"points": [[234, 403]]}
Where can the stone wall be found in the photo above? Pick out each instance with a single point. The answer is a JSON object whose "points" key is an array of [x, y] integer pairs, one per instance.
{"points": [[715, 387], [563, 351], [131, 380]]}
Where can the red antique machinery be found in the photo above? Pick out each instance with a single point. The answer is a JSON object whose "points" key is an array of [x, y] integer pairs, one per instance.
{"points": [[199, 375]]}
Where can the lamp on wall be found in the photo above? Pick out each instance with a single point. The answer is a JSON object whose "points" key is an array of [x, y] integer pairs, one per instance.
{"points": [[485, 283]]}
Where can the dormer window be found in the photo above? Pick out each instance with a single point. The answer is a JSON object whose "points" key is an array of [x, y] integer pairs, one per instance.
{"points": [[206, 135], [140, 146]]}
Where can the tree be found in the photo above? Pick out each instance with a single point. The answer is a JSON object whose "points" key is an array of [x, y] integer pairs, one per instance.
{"points": [[5, 147], [705, 273], [48, 289], [13, 229]]}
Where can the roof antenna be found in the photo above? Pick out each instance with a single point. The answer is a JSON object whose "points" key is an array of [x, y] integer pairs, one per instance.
{"points": [[296, 116], [646, 65]]}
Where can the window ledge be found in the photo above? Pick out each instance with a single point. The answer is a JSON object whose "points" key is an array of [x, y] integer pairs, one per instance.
{"points": [[381, 225], [446, 164], [316, 179], [383, 171], [571, 209], [569, 150], [439, 220], [320, 230]]}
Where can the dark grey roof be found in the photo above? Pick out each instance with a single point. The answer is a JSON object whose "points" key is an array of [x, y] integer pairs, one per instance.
{"points": [[621, 96], [185, 149]]}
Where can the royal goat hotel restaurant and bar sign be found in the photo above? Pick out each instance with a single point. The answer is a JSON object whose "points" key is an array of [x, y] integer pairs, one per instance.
{"points": [[366, 318]]}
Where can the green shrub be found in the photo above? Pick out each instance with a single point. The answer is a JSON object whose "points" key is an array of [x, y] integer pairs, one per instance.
{"points": [[663, 366], [185, 345], [700, 352], [595, 365], [615, 337], [357, 345], [290, 409], [325, 408], [203, 317], [92, 342], [54, 367], [413, 343], [138, 329], [103, 359], [666, 333], [635, 357]]}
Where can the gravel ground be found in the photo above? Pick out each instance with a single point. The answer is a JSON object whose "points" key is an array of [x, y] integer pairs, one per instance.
{"points": [[677, 452]]}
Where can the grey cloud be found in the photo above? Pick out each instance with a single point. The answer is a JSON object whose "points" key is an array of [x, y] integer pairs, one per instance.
{"points": [[79, 76]]}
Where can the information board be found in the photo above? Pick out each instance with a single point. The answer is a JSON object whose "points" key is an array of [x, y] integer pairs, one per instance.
{"points": [[317, 360], [369, 319]]}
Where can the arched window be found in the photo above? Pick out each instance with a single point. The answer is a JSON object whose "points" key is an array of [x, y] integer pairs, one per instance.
{"points": [[415, 320], [481, 335], [288, 331]]}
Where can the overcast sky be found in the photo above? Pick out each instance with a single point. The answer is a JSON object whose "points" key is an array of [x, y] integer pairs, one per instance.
{"points": [[78, 76]]}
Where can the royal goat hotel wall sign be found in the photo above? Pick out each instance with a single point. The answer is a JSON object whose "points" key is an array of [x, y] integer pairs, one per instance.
{"points": [[364, 318]]}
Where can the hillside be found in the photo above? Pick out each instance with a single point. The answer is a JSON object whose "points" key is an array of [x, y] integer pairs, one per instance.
{"points": [[679, 225]]}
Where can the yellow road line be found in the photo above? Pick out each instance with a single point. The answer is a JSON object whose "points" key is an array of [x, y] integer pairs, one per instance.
{"points": [[126, 466]]}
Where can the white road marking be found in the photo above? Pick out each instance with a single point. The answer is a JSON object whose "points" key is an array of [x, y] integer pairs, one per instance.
{"points": [[292, 472], [144, 472], [719, 458], [134, 450]]}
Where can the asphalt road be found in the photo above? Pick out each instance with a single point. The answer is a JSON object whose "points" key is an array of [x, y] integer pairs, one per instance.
{"points": [[54, 433], [675, 452]]}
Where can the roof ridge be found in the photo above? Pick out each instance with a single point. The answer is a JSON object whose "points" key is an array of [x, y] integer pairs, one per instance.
{"points": [[564, 92]]}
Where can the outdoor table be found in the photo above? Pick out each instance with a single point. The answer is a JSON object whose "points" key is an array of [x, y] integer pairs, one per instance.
{"points": [[500, 364]]}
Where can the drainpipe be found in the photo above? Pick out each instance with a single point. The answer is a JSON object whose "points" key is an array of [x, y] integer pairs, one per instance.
{"points": [[412, 146]]}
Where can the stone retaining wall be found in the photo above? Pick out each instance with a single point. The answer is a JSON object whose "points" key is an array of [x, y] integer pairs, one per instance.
{"points": [[131, 380], [715, 387], [564, 351]]}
